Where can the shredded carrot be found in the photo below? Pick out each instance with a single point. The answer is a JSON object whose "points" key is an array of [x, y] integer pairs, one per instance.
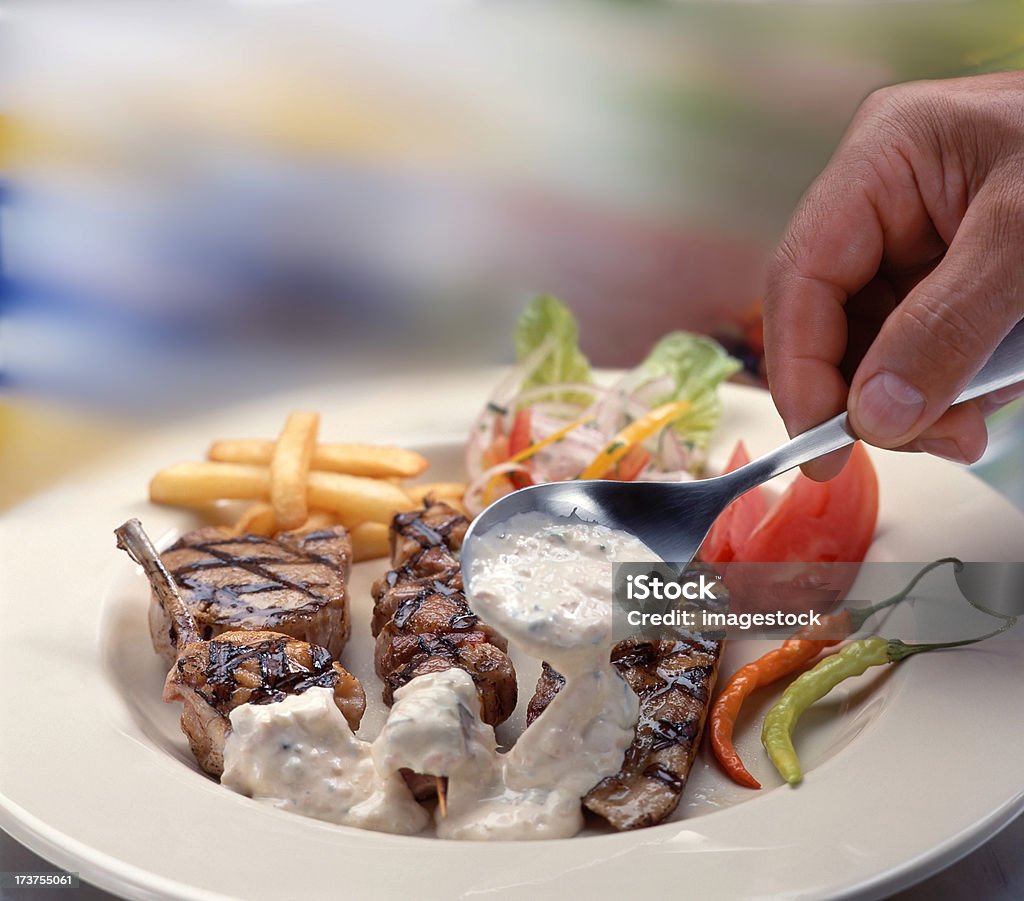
{"points": [[534, 448], [635, 433], [551, 439]]}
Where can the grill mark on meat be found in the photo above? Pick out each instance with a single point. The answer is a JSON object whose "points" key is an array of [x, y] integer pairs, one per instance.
{"points": [[255, 565], [432, 536], [279, 674], [674, 681], [463, 621], [211, 678], [406, 609], [293, 584], [422, 620], [657, 771], [320, 535]]}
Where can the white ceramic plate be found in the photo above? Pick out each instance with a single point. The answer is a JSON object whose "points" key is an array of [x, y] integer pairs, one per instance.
{"points": [[94, 775]]}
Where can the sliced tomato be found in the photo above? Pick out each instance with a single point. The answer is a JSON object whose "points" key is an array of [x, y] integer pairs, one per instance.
{"points": [[821, 521], [519, 436], [732, 529], [827, 527], [632, 464], [519, 440]]}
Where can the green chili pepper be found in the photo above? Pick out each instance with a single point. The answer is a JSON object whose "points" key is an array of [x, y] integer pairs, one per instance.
{"points": [[853, 660]]}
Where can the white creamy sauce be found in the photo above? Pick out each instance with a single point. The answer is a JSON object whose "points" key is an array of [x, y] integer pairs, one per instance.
{"points": [[301, 755], [548, 588]]}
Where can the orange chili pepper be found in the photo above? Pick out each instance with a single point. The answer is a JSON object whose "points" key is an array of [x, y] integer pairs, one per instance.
{"points": [[803, 647]]}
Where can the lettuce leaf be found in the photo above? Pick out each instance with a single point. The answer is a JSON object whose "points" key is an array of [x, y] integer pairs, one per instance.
{"points": [[684, 366], [547, 337]]}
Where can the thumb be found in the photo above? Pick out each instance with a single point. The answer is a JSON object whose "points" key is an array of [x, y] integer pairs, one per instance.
{"points": [[937, 339]]}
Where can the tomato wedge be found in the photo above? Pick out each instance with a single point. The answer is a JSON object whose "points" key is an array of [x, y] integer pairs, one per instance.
{"points": [[518, 441], [519, 436], [821, 521], [827, 527], [631, 465], [732, 529]]}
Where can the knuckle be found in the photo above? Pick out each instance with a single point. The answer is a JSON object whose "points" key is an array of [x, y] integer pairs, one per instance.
{"points": [[785, 258], [1006, 205], [940, 332], [783, 267], [881, 100]]}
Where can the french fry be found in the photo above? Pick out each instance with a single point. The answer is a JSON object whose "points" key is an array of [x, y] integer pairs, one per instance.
{"points": [[378, 461], [371, 460], [442, 491], [196, 484], [370, 540], [256, 519], [318, 519], [356, 499], [289, 468], [255, 451]]}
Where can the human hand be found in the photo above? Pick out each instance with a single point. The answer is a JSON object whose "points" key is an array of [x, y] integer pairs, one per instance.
{"points": [[902, 270]]}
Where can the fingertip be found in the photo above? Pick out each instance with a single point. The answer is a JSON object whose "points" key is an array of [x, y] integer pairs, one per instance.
{"points": [[828, 467], [885, 409], [959, 435]]}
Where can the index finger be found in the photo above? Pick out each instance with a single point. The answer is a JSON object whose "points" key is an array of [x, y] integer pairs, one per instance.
{"points": [[832, 248]]}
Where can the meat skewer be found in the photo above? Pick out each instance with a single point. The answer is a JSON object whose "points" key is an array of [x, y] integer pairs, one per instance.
{"points": [[213, 677], [422, 621]]}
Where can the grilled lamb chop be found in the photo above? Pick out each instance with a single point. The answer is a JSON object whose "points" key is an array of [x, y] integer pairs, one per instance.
{"points": [[422, 621], [214, 677], [294, 584]]}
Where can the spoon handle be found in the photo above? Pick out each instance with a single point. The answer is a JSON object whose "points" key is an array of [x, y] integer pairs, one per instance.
{"points": [[1005, 367]]}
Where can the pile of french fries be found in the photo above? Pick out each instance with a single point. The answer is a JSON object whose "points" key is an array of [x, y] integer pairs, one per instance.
{"points": [[297, 483]]}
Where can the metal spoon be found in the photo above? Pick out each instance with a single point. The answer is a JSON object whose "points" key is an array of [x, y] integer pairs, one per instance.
{"points": [[673, 518]]}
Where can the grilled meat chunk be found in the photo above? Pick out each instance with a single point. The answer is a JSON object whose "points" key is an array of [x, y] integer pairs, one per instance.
{"points": [[421, 618], [400, 589], [490, 668], [294, 584], [212, 678], [548, 685], [436, 526], [674, 681]]}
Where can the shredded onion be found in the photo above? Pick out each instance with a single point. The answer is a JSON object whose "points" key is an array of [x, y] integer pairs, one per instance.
{"points": [[503, 397], [475, 499], [611, 408]]}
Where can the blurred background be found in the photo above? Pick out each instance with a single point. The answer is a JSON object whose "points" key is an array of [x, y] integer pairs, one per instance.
{"points": [[204, 203]]}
